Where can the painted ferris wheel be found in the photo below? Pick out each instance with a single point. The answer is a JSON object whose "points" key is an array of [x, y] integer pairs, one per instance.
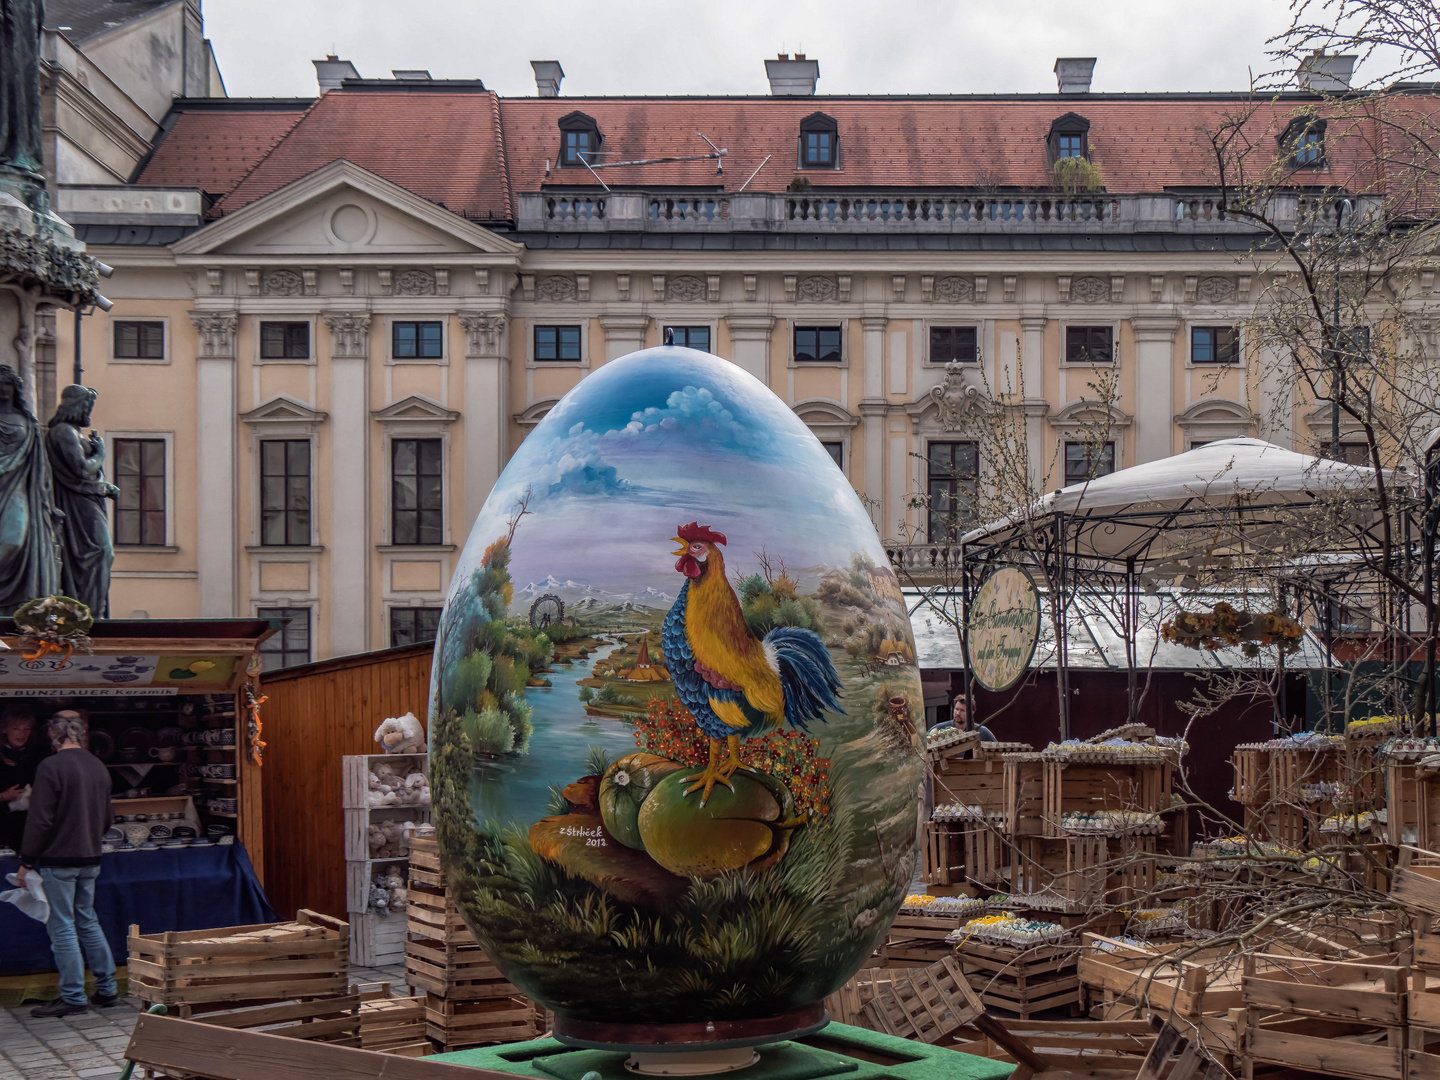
{"points": [[546, 611]]}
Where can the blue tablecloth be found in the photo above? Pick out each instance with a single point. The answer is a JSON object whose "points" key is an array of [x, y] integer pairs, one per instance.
{"points": [[184, 889]]}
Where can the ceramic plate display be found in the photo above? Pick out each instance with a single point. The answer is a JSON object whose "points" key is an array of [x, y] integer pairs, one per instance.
{"points": [[112, 835], [138, 739], [101, 744], [172, 844], [159, 832], [673, 714], [202, 842], [137, 832]]}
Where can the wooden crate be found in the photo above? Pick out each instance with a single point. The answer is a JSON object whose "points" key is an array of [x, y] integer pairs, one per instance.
{"points": [[977, 781], [1024, 780], [377, 940], [355, 775], [458, 973], [358, 822], [454, 1025], [1071, 868], [1072, 786], [957, 852], [1023, 981], [392, 1025], [846, 1005], [1402, 817], [1115, 971], [1252, 776], [288, 978]]}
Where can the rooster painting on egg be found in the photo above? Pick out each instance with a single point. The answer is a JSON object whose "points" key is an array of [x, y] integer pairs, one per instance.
{"points": [[684, 795]]}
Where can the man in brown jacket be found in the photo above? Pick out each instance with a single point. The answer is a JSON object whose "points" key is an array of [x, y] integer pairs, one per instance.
{"points": [[69, 812]]}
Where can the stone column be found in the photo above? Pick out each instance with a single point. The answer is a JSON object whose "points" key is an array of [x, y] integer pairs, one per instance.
{"points": [[750, 343], [217, 545], [624, 334], [1035, 404], [487, 408], [1154, 387], [873, 408], [349, 539]]}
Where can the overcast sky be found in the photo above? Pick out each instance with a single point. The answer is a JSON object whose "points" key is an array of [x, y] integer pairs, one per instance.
{"points": [[668, 47]]}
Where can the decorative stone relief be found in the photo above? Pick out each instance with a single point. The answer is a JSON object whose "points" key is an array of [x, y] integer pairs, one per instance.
{"points": [[282, 283], [482, 334], [1007, 283], [384, 275], [842, 283], [1243, 289], [815, 288], [527, 286], [1192, 282], [1215, 290], [982, 286], [217, 332], [311, 285], [750, 286], [622, 285], [252, 281], [442, 280], [712, 288], [657, 286], [1157, 287], [686, 288], [1062, 285], [1427, 280], [927, 288], [414, 283], [897, 287], [1117, 288], [954, 290], [482, 280], [789, 282], [347, 280], [216, 277], [349, 333], [954, 400], [1090, 290]]}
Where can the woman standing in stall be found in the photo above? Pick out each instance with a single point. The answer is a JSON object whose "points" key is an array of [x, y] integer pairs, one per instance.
{"points": [[18, 760]]}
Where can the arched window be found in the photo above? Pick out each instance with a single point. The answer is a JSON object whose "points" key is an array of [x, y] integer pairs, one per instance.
{"points": [[1069, 138], [580, 139], [819, 142]]}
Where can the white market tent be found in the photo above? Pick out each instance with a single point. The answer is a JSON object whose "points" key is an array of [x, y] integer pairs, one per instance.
{"points": [[1223, 497]]}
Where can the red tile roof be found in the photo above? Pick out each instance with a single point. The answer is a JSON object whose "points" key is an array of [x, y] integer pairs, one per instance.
{"points": [[211, 149], [1140, 145], [471, 152], [442, 146]]}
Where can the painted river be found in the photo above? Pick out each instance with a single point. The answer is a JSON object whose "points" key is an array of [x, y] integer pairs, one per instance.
{"points": [[516, 788]]}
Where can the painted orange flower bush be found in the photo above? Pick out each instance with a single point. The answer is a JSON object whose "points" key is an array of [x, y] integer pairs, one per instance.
{"points": [[670, 731]]}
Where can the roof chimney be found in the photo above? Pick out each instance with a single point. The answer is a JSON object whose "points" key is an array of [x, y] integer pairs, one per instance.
{"points": [[1073, 73], [548, 74], [792, 78], [1325, 74], [410, 74], [332, 71]]}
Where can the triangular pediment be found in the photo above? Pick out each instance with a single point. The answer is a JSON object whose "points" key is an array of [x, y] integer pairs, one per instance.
{"points": [[416, 409], [283, 409], [343, 210]]}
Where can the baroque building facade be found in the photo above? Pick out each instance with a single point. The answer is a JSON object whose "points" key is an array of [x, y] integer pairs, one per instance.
{"points": [[311, 385]]}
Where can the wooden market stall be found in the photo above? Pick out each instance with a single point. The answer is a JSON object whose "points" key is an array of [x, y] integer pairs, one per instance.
{"points": [[315, 715]]}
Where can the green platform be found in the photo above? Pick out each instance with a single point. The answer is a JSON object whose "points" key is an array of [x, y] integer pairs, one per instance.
{"points": [[838, 1050]]}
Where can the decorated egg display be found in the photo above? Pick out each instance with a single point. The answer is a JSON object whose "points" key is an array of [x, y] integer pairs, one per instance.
{"points": [[674, 778]]}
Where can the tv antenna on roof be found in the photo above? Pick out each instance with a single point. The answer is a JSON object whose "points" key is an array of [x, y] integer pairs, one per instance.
{"points": [[716, 153]]}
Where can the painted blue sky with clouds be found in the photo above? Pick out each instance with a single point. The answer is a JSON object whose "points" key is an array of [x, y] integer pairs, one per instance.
{"points": [[656, 439]]}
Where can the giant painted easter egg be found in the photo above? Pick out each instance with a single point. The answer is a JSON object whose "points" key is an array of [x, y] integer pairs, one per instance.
{"points": [[672, 798]]}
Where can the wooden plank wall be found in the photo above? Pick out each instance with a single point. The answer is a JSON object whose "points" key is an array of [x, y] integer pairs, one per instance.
{"points": [[315, 715]]}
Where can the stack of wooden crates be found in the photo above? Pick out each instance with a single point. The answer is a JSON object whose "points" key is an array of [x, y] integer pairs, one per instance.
{"points": [[287, 978], [391, 1025], [467, 1001], [376, 940]]}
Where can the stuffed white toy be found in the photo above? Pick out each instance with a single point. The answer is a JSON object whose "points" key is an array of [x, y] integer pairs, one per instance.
{"points": [[401, 735]]}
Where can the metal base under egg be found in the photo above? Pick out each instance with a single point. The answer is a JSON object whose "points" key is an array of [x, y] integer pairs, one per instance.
{"points": [[691, 1062], [677, 1040]]}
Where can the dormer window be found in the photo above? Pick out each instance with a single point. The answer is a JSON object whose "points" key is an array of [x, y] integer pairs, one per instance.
{"points": [[819, 142], [1303, 142], [579, 139], [1069, 138]]}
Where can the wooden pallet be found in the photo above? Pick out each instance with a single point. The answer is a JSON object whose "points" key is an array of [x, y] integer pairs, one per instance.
{"points": [[846, 1005], [393, 1025], [355, 775], [1077, 786], [377, 940], [1023, 981]]}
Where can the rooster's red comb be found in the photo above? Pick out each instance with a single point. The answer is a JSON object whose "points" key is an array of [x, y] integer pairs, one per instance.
{"points": [[695, 531]]}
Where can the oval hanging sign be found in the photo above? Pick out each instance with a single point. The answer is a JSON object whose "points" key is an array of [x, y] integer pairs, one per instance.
{"points": [[1004, 626]]}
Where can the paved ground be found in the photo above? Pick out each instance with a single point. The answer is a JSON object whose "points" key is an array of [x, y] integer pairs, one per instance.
{"points": [[92, 1044]]}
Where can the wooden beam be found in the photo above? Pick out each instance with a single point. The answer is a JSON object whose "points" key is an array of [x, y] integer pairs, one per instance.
{"points": [[162, 1042]]}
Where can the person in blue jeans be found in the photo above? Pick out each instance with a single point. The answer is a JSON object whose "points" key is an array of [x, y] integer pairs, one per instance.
{"points": [[69, 813]]}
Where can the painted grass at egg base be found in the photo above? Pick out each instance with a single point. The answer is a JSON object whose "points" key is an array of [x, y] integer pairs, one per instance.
{"points": [[748, 943]]}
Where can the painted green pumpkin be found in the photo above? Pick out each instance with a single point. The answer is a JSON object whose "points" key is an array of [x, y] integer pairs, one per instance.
{"points": [[623, 790], [749, 825]]}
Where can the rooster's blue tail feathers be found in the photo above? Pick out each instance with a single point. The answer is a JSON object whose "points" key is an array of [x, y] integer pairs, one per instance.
{"points": [[807, 675]]}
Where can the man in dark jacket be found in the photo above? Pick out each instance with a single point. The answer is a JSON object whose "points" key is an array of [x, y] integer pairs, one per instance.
{"points": [[69, 812]]}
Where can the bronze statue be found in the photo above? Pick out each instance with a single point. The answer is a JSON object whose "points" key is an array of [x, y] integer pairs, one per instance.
{"points": [[77, 464], [21, 148], [29, 563]]}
